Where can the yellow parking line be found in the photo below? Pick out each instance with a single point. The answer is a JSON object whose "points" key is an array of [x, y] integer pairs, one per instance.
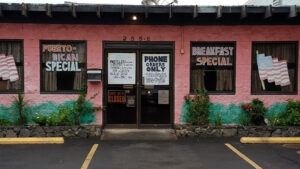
{"points": [[248, 160], [89, 157], [32, 140], [264, 140], [295, 146]]}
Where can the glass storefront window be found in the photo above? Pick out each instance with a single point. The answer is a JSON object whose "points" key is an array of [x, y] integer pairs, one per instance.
{"points": [[11, 66], [212, 67], [63, 66]]}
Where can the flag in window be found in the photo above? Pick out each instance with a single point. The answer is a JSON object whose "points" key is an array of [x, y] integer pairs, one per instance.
{"points": [[4, 72], [13, 73], [8, 69], [273, 70]]}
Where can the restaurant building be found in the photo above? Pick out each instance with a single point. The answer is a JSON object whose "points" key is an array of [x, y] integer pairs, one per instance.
{"points": [[140, 61]]}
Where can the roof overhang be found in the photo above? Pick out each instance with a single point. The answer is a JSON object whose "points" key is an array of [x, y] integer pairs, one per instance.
{"points": [[148, 15]]}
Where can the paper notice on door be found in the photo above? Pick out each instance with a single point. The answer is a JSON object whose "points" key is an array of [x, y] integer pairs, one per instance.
{"points": [[163, 96], [121, 68], [130, 101], [156, 69]]}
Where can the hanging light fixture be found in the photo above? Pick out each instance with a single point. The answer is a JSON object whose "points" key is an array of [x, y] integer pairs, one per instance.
{"points": [[134, 17]]}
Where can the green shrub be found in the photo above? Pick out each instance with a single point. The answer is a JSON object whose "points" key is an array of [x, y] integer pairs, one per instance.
{"points": [[244, 121], [69, 113], [72, 113], [292, 115], [62, 118], [65, 117], [81, 107], [20, 109], [273, 120], [256, 111], [40, 120], [198, 110], [4, 122], [52, 120], [218, 120], [188, 99]]}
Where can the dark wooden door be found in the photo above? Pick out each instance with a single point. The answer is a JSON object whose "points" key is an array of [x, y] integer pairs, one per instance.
{"points": [[138, 84]]}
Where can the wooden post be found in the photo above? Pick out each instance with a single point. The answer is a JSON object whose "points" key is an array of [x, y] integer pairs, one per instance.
{"points": [[48, 10], [24, 9], [195, 13], [98, 11], [146, 11], [262, 82], [74, 10], [0, 10]]}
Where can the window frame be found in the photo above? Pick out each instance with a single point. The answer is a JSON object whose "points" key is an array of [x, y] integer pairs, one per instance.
{"points": [[254, 66], [41, 68], [192, 44], [22, 58]]}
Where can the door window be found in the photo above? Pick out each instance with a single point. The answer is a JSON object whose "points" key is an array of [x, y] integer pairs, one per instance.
{"points": [[155, 95], [121, 88], [156, 69], [121, 68], [138, 84]]}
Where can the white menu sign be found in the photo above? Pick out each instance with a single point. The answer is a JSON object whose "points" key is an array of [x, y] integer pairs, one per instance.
{"points": [[121, 68], [163, 96], [156, 69]]}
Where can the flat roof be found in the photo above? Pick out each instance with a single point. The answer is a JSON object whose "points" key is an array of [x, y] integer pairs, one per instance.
{"points": [[148, 15]]}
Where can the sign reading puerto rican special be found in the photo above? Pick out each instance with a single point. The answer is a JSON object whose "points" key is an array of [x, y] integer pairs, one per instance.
{"points": [[156, 69], [63, 58], [214, 55], [116, 96], [121, 68]]}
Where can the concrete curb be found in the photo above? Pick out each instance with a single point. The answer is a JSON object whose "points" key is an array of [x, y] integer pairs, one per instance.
{"points": [[270, 140], [32, 140], [138, 134]]}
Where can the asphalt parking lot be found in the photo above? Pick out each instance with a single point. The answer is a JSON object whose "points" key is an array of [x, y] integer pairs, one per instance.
{"points": [[188, 153]]}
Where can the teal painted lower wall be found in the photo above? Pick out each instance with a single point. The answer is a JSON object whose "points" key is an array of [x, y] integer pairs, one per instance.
{"points": [[232, 113], [45, 109]]}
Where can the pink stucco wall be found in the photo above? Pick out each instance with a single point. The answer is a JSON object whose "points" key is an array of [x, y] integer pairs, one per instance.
{"points": [[95, 34]]}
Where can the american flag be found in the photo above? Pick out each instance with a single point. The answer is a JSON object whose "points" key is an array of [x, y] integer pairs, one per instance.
{"points": [[273, 70], [8, 69]]}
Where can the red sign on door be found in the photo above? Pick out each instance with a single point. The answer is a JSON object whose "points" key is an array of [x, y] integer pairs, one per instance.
{"points": [[116, 96]]}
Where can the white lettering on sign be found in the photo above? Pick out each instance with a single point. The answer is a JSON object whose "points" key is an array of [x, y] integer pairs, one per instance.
{"points": [[121, 68], [62, 66], [211, 51], [213, 56], [61, 58], [156, 69]]}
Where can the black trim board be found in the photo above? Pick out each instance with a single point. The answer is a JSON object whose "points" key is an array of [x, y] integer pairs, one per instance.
{"points": [[148, 15]]}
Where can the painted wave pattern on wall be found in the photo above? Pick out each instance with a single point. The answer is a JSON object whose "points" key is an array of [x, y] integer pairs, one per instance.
{"points": [[232, 113], [45, 109]]}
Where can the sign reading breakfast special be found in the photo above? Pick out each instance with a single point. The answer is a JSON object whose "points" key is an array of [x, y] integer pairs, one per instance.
{"points": [[213, 55], [121, 68], [156, 69], [63, 58]]}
